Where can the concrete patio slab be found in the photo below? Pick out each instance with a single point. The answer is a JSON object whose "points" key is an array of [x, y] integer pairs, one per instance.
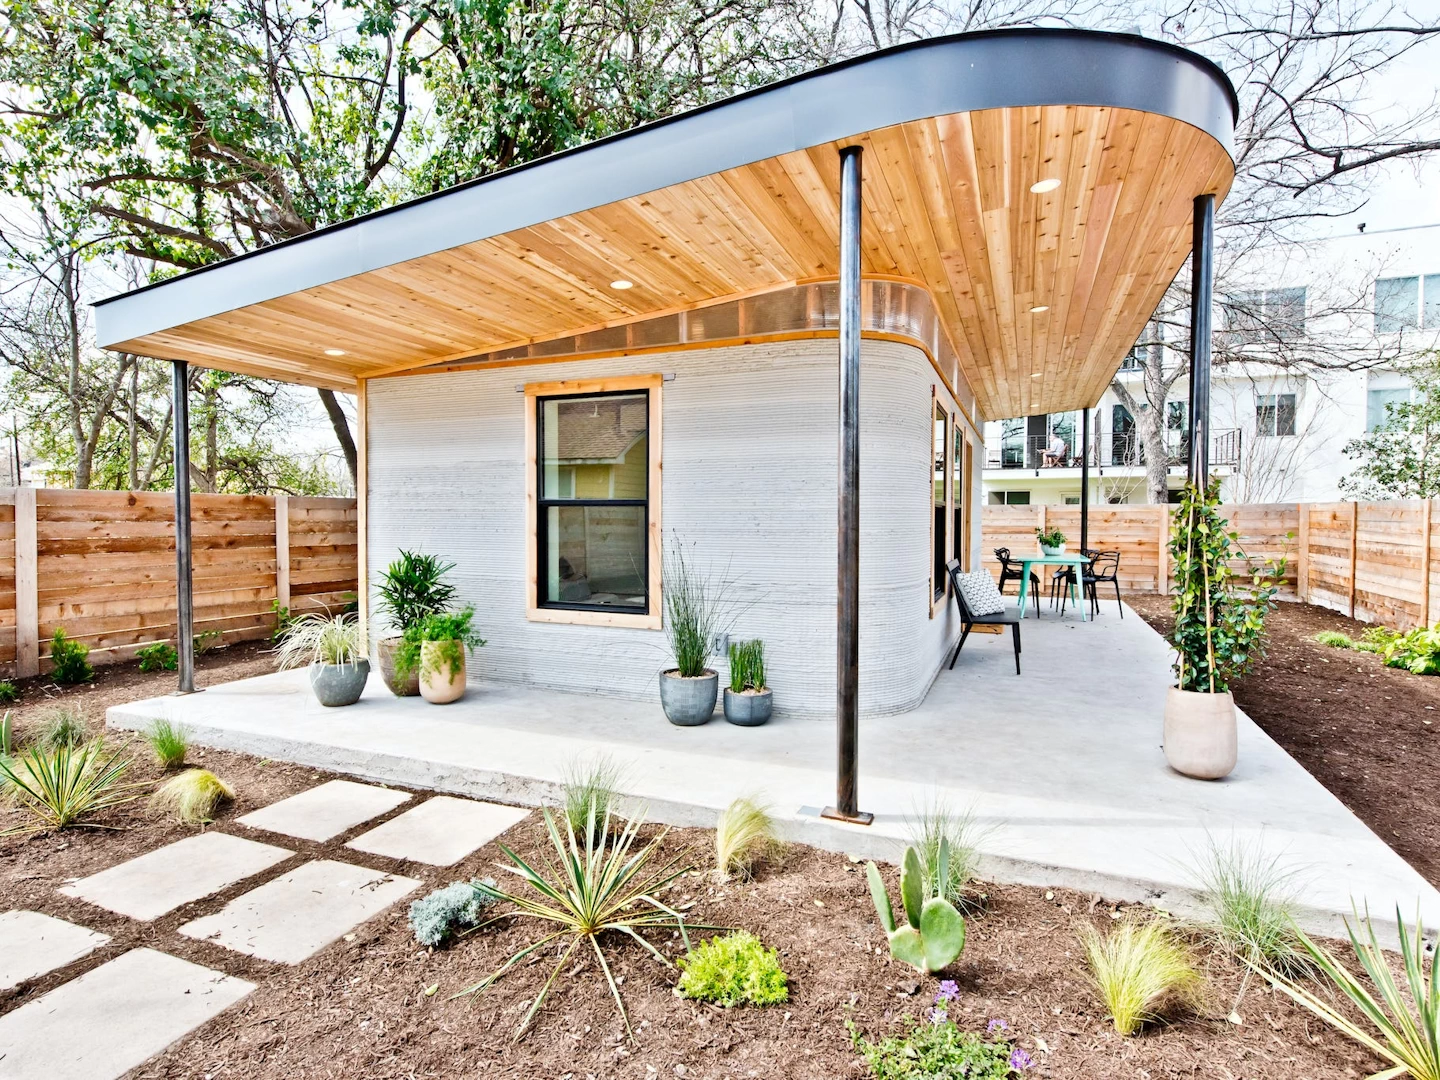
{"points": [[296, 915], [149, 885], [1062, 763], [440, 831], [324, 812], [36, 944], [104, 1023]]}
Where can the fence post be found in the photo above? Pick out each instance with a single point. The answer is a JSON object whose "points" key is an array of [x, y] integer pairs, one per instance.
{"points": [[1354, 532], [282, 550], [1162, 553], [1302, 555], [1425, 564], [27, 585]]}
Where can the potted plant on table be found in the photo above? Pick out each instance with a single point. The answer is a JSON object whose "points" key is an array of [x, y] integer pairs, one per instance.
{"points": [[1052, 542], [693, 605], [334, 647], [433, 649], [411, 588], [1218, 634], [748, 701]]}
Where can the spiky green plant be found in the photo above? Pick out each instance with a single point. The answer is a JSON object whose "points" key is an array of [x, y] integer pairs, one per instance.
{"points": [[7, 735], [743, 833], [61, 787], [934, 821], [413, 587], [1401, 1027], [1139, 970], [169, 741], [63, 725], [9, 692], [192, 797], [696, 607], [1335, 639], [322, 639], [591, 791], [1248, 894], [595, 883], [747, 666]]}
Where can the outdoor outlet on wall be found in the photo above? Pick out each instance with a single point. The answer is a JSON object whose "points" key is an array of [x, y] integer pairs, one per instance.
{"points": [[722, 643]]}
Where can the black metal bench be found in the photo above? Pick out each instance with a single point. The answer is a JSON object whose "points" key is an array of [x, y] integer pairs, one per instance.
{"points": [[969, 621]]}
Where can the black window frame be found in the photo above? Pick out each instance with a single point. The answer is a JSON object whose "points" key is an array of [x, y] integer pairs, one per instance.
{"points": [[543, 504]]}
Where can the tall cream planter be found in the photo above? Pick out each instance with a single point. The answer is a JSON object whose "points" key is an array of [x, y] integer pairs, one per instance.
{"points": [[1200, 739], [442, 671]]}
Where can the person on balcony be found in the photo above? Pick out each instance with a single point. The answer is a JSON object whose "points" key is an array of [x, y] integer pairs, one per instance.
{"points": [[1055, 451]]}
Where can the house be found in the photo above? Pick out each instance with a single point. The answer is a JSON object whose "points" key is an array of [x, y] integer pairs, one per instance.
{"points": [[797, 307]]}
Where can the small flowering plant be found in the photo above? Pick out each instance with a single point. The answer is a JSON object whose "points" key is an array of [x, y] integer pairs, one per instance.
{"points": [[939, 1050]]}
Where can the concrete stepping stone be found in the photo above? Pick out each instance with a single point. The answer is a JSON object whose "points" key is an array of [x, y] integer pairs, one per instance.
{"points": [[32, 944], [109, 1020], [149, 885], [299, 913], [440, 831], [324, 812]]}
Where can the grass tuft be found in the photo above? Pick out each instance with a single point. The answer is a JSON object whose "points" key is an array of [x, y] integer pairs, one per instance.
{"points": [[934, 821], [62, 726], [169, 741], [192, 796], [1335, 639], [1140, 970], [591, 792], [1247, 893], [743, 834]]}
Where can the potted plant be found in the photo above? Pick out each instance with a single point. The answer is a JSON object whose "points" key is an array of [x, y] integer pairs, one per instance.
{"points": [[433, 650], [1218, 634], [692, 623], [334, 647], [748, 701], [412, 587], [1051, 542]]}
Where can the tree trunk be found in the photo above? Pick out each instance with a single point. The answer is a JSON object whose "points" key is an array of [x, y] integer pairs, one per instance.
{"points": [[341, 424]]}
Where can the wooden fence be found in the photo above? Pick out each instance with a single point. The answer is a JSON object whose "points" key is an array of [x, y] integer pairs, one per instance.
{"points": [[1374, 561], [101, 564]]}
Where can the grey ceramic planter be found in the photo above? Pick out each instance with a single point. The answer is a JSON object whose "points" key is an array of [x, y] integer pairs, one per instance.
{"points": [[688, 702], [339, 684], [385, 652], [748, 709]]}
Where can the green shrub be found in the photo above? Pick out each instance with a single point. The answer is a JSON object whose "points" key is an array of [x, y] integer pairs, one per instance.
{"points": [[1417, 651], [438, 917], [160, 656], [747, 666], [62, 726], [412, 588], [451, 628], [207, 640], [169, 741], [192, 797], [939, 1050], [733, 970], [1140, 970], [1335, 639], [9, 692], [68, 665], [60, 788], [1376, 639], [283, 619], [1053, 538]]}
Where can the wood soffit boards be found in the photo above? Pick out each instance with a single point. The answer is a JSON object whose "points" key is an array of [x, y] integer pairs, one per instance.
{"points": [[947, 204]]}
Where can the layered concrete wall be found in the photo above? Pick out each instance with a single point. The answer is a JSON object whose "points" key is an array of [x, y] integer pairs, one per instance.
{"points": [[749, 471]]}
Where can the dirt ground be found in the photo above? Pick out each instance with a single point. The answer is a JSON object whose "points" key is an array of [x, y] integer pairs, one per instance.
{"points": [[1367, 732]]}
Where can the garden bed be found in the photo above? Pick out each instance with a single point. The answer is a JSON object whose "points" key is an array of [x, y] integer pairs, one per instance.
{"points": [[1363, 730]]}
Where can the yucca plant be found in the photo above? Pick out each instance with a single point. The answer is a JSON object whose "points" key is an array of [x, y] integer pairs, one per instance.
{"points": [[169, 741], [592, 792], [743, 832], [1402, 1024], [322, 639], [596, 884], [192, 797], [61, 787], [1138, 969]]}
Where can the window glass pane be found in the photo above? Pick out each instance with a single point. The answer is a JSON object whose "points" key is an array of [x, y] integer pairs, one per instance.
{"points": [[594, 555], [595, 447], [1265, 414], [1430, 319], [1396, 304], [1012, 441], [1017, 498], [937, 490], [1376, 401], [1285, 414], [1285, 310]]}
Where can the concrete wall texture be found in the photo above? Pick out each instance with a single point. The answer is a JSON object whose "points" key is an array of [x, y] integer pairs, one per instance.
{"points": [[749, 465]]}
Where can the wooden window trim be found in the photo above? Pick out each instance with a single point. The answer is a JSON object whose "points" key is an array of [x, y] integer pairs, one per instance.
{"points": [[937, 603], [651, 619]]}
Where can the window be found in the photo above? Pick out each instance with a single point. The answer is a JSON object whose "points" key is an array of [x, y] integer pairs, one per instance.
{"points": [[1009, 498], [940, 420], [1275, 414], [1377, 402], [1012, 442], [594, 501], [958, 468], [1397, 303], [1262, 314], [1072, 500]]}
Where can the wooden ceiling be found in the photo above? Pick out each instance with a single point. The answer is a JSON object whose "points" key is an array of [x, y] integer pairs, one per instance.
{"points": [[947, 205]]}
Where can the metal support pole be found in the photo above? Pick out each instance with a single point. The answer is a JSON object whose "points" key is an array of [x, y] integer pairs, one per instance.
{"points": [[1202, 279], [1084, 480], [184, 600], [847, 582]]}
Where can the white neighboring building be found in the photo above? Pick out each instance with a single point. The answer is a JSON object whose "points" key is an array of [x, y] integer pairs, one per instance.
{"points": [[1277, 435]]}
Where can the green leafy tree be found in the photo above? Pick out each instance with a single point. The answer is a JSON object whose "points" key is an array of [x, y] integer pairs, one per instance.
{"points": [[1400, 459]]}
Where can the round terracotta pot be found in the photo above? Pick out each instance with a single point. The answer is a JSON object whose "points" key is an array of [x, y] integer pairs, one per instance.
{"points": [[440, 683], [385, 656], [1200, 733]]}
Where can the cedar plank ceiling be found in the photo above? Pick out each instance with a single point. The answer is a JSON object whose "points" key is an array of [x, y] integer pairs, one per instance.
{"points": [[947, 204]]}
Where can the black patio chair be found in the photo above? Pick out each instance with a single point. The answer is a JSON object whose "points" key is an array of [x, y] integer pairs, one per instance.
{"points": [[1103, 568], [1065, 577], [1009, 571], [969, 621]]}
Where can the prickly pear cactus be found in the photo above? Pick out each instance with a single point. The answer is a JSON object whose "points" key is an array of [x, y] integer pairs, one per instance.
{"points": [[933, 935]]}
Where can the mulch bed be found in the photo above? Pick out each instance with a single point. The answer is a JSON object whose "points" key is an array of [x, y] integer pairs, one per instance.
{"points": [[1369, 733], [359, 1009]]}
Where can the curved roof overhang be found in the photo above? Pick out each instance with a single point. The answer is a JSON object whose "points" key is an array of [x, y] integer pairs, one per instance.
{"points": [[741, 197]]}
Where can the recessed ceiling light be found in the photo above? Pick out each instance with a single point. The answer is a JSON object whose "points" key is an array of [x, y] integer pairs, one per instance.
{"points": [[622, 284], [334, 352], [1036, 374], [1038, 308], [1042, 186]]}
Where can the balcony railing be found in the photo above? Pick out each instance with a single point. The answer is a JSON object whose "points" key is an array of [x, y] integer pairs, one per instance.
{"points": [[1108, 449]]}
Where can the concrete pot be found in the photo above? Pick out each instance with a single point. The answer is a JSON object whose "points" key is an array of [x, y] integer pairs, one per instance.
{"points": [[339, 684], [440, 683], [385, 650], [749, 708], [688, 702], [1200, 733]]}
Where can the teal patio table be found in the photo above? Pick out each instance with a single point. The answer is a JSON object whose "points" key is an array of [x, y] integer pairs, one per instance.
{"points": [[1041, 559]]}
